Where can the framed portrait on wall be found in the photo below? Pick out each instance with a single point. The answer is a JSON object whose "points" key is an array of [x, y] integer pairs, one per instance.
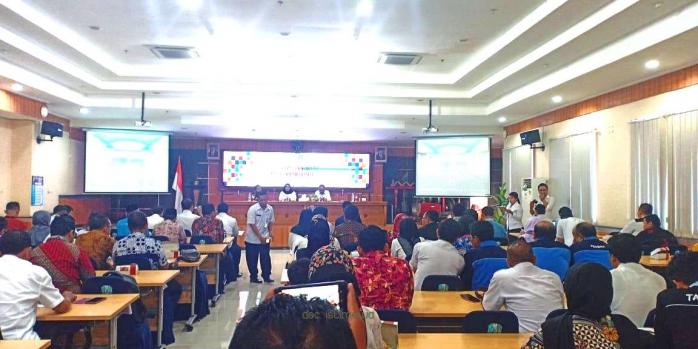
{"points": [[381, 154], [213, 151]]}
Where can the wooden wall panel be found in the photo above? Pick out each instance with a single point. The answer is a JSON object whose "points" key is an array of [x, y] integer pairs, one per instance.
{"points": [[27, 107]]}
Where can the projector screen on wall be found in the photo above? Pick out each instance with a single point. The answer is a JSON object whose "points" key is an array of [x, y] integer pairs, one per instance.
{"points": [[121, 161], [301, 170], [453, 166]]}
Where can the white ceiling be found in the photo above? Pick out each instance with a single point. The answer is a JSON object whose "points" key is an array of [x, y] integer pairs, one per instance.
{"points": [[301, 69]]}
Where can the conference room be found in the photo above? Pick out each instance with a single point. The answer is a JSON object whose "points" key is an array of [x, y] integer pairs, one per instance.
{"points": [[348, 174]]}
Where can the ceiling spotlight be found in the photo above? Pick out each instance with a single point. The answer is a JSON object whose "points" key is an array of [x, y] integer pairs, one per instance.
{"points": [[556, 99], [502, 119], [365, 8], [84, 111], [17, 87], [652, 64], [658, 4]]}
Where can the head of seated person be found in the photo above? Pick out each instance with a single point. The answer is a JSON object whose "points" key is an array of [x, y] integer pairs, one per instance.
{"points": [[208, 210], [544, 230], [583, 231], [520, 252], [16, 243], [170, 214], [131, 208], [99, 222], [158, 210], [351, 213], [187, 204], [539, 209], [64, 226], [624, 248], [137, 222], [481, 231], [565, 212], [298, 271], [321, 210], [373, 239], [652, 223], [487, 212], [458, 210], [450, 230], [293, 322], [644, 210], [222, 208], [60, 210], [683, 269], [432, 216]]}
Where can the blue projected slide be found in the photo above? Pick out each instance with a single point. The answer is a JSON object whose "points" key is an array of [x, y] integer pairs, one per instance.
{"points": [[453, 166], [119, 161]]}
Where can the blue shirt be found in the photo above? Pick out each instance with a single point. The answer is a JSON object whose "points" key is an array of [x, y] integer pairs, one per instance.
{"points": [[122, 228], [487, 249], [590, 243], [499, 231], [548, 244]]}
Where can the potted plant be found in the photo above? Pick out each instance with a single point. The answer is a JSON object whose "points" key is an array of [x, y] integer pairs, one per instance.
{"points": [[501, 198]]}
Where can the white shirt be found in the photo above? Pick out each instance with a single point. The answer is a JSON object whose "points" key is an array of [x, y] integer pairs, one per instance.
{"points": [[186, 219], [435, 258], [230, 224], [261, 218], [565, 227], [24, 286], [288, 197], [635, 290], [396, 250], [514, 218], [326, 196], [154, 219], [633, 227], [549, 203], [526, 290]]}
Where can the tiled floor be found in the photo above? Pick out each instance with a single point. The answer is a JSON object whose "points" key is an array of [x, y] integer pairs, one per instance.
{"points": [[216, 330]]}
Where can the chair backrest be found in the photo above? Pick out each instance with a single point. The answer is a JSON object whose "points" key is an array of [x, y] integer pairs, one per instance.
{"points": [[406, 323], [198, 239], [484, 268], [491, 322], [555, 259], [684, 334], [555, 313], [442, 283], [161, 238], [602, 257], [110, 283], [649, 321], [144, 261]]}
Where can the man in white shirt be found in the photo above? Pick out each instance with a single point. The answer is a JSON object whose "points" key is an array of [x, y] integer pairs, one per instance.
{"points": [[545, 200], [187, 217], [635, 288], [524, 289], [24, 287], [438, 257], [230, 226], [323, 194], [565, 226], [258, 235], [155, 218], [635, 226]]}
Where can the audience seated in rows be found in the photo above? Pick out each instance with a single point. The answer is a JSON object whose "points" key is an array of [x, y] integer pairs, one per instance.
{"points": [[484, 246], [500, 232], [230, 224], [340, 219], [155, 218], [565, 226], [187, 217], [544, 234], [68, 265], [97, 243], [347, 233], [539, 210], [318, 236], [635, 287], [428, 231], [12, 210], [298, 237], [524, 289], [122, 224], [60, 210], [298, 271], [438, 257], [403, 245], [208, 224], [41, 227], [170, 228], [464, 217], [653, 236], [585, 239], [386, 282], [635, 226], [675, 323], [231, 228]]}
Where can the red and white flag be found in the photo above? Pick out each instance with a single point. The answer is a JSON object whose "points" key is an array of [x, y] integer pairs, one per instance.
{"points": [[178, 186]]}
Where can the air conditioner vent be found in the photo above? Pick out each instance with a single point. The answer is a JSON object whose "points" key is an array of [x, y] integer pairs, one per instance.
{"points": [[399, 58], [174, 52]]}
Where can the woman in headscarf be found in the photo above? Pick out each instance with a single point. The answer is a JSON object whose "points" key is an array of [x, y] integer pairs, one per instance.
{"points": [[40, 227], [396, 226], [318, 236], [588, 322], [297, 239], [402, 246], [288, 194], [322, 211]]}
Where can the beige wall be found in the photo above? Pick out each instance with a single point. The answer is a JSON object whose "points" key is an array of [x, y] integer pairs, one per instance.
{"points": [[613, 147]]}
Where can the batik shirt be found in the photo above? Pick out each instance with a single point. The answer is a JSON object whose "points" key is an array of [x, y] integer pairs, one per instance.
{"points": [[386, 282], [210, 226], [137, 243], [65, 262]]}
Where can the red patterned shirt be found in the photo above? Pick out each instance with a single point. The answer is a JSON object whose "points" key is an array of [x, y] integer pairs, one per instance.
{"points": [[210, 226], [386, 282], [65, 262]]}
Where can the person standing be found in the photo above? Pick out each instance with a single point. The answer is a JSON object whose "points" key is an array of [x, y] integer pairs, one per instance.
{"points": [[543, 199], [514, 213], [258, 235]]}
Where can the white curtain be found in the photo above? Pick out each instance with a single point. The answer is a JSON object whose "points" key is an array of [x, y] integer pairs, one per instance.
{"points": [[573, 174], [649, 168], [517, 165], [559, 170]]}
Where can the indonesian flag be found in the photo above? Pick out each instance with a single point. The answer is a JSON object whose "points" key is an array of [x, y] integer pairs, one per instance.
{"points": [[178, 186]]}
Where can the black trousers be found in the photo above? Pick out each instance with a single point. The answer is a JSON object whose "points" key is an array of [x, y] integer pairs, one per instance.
{"points": [[254, 252]]}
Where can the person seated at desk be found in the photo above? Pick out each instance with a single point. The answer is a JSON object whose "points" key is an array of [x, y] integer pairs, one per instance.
{"points": [[539, 216], [323, 194], [463, 216], [340, 219], [386, 282], [500, 233], [544, 233], [231, 228], [67, 264], [122, 224], [438, 257], [288, 194], [675, 320], [11, 213], [97, 242], [41, 228], [525, 289], [565, 226], [155, 218], [403, 245], [209, 225], [297, 271], [428, 231], [187, 217], [170, 228], [348, 232], [653, 236], [484, 246], [24, 287], [585, 239], [635, 226]]}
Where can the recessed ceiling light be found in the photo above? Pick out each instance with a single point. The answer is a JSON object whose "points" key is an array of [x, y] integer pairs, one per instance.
{"points": [[84, 111], [285, 33], [652, 64], [556, 99], [502, 119], [95, 27], [17, 87], [658, 4], [364, 8]]}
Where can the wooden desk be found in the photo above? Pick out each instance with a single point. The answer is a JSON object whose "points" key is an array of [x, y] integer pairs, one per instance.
{"points": [[187, 278], [24, 344], [462, 340], [156, 280], [212, 266], [441, 311], [107, 310], [655, 263]]}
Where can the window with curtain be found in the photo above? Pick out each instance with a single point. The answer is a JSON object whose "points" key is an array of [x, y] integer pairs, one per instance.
{"points": [[572, 174], [517, 165]]}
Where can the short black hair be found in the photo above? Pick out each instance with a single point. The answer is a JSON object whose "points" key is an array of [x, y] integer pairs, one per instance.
{"points": [[298, 271], [450, 230], [625, 247], [131, 207], [207, 209], [321, 210], [158, 210], [12, 205], [68, 208], [14, 242], [60, 209], [646, 208], [137, 221], [62, 225], [408, 229], [539, 209], [544, 230], [186, 204], [170, 213], [488, 211], [373, 238], [684, 267], [97, 221], [542, 185], [432, 215], [585, 229], [482, 230], [293, 322], [458, 210], [654, 219], [351, 213], [565, 212], [345, 204], [222, 208]]}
